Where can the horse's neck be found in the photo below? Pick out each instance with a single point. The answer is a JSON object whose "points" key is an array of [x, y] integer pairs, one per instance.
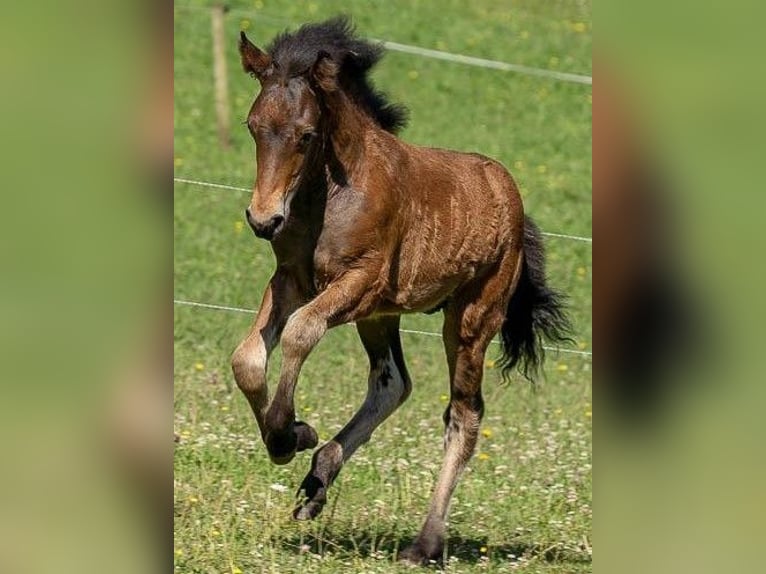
{"points": [[344, 149]]}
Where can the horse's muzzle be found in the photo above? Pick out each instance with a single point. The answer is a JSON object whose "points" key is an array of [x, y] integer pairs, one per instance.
{"points": [[265, 229]]}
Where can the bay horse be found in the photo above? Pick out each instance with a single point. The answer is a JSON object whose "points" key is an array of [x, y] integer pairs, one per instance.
{"points": [[365, 228]]}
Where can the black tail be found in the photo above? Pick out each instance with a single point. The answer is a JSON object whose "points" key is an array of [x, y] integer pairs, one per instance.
{"points": [[535, 312]]}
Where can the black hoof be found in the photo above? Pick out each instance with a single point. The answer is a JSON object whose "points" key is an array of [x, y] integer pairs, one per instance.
{"points": [[281, 446], [306, 436]]}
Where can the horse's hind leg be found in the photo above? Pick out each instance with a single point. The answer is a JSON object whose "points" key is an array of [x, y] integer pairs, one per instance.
{"points": [[388, 387], [471, 319]]}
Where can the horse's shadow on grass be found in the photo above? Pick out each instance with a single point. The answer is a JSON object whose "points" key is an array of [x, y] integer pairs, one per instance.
{"points": [[382, 545]]}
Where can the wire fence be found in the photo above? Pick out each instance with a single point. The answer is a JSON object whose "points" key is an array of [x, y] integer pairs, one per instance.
{"points": [[216, 307], [230, 308], [491, 64]]}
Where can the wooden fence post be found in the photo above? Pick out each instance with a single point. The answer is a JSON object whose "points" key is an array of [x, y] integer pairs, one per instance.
{"points": [[220, 76]]}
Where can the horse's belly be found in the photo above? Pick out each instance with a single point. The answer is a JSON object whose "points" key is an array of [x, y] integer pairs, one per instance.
{"points": [[422, 293]]}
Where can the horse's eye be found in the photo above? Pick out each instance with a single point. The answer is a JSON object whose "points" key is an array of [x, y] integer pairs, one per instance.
{"points": [[305, 140]]}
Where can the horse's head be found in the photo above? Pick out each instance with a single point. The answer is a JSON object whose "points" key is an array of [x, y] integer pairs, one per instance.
{"points": [[285, 124]]}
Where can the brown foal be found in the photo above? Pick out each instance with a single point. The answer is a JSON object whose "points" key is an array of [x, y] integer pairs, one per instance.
{"points": [[366, 227]]}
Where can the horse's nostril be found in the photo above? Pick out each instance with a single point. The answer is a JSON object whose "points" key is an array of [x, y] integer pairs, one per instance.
{"points": [[273, 224], [265, 229]]}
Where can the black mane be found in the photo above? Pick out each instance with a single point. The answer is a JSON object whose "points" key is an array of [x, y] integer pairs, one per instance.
{"points": [[295, 52]]}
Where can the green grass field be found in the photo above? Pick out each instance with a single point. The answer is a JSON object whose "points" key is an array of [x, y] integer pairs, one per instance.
{"points": [[524, 503]]}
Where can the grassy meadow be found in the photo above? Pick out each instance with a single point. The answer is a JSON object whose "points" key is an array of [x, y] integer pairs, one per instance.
{"points": [[524, 503]]}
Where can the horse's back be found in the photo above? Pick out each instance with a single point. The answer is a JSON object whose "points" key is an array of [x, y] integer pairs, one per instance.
{"points": [[475, 187], [463, 214]]}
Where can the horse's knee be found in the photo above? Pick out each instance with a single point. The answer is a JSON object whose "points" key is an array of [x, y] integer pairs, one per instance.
{"points": [[301, 333], [248, 362]]}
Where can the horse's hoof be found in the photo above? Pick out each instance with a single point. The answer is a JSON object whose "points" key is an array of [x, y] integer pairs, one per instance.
{"points": [[312, 496], [308, 511], [412, 556], [282, 460], [281, 447], [418, 555], [306, 436]]}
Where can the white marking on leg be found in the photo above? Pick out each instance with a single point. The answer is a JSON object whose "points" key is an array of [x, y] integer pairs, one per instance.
{"points": [[458, 450]]}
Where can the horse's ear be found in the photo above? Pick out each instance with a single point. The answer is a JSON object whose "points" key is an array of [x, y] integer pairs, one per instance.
{"points": [[254, 61], [324, 72]]}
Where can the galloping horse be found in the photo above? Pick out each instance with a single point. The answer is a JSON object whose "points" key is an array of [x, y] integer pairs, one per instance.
{"points": [[366, 227]]}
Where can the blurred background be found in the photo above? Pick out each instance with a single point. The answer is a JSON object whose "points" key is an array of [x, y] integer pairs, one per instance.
{"points": [[676, 194]]}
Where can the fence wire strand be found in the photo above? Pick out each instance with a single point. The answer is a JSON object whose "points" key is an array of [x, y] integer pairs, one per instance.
{"points": [[215, 307]]}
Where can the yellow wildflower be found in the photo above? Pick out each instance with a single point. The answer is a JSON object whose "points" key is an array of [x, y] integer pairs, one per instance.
{"points": [[483, 456], [486, 433], [199, 366]]}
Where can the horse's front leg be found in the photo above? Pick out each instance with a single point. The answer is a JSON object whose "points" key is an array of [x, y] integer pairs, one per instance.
{"points": [[250, 360], [343, 301]]}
